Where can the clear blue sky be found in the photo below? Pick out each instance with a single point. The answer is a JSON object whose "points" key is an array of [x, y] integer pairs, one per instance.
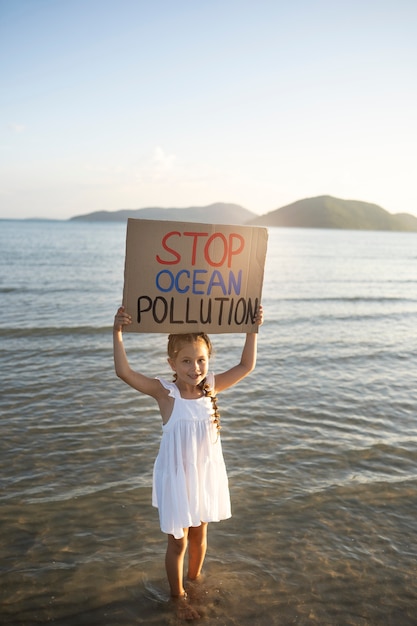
{"points": [[127, 104]]}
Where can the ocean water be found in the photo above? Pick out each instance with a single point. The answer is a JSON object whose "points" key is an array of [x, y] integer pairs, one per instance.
{"points": [[320, 441]]}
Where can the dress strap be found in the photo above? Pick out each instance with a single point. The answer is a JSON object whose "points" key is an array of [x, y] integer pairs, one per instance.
{"points": [[210, 381], [171, 387]]}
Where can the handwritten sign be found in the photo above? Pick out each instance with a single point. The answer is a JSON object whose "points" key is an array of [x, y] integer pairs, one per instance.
{"points": [[188, 277]]}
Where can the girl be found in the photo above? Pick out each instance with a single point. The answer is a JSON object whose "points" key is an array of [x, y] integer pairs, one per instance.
{"points": [[190, 485]]}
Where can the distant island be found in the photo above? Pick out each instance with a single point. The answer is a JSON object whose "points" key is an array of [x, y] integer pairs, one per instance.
{"points": [[329, 212], [318, 212], [218, 213]]}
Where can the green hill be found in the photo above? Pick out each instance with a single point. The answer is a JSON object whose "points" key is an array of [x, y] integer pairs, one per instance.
{"points": [[329, 212], [218, 213]]}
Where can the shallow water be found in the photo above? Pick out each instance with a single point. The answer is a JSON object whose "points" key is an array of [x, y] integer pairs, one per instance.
{"points": [[320, 441]]}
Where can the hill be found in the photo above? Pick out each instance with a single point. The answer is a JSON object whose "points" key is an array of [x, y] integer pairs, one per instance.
{"points": [[329, 212], [218, 213], [319, 212]]}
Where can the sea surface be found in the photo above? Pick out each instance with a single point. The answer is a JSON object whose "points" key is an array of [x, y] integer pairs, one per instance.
{"points": [[320, 441]]}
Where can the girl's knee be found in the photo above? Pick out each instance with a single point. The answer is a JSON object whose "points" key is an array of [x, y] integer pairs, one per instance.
{"points": [[198, 534], [177, 546]]}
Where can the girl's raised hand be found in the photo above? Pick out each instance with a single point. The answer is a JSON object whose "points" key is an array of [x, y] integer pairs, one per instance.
{"points": [[259, 315], [121, 319]]}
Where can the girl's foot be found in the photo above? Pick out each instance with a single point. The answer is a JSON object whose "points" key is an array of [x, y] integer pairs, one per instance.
{"points": [[184, 609], [196, 589]]}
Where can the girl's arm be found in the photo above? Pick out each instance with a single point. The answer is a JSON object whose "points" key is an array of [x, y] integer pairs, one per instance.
{"points": [[247, 360], [144, 384]]}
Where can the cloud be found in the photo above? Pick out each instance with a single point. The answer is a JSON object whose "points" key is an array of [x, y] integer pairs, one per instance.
{"points": [[158, 167], [161, 161], [17, 128]]}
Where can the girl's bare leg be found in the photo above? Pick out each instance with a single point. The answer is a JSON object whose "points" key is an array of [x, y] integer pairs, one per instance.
{"points": [[174, 563], [197, 547]]}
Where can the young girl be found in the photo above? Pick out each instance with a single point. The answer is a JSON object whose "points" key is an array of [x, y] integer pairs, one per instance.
{"points": [[190, 485]]}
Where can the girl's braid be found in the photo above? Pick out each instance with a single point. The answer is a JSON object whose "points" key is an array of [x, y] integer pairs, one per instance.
{"points": [[208, 392]]}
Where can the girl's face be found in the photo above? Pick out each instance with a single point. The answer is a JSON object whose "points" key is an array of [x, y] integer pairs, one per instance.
{"points": [[191, 363]]}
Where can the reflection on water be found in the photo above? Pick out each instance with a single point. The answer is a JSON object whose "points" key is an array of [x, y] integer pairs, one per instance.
{"points": [[320, 443], [344, 556]]}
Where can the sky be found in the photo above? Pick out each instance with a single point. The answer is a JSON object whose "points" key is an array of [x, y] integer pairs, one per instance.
{"points": [[124, 104]]}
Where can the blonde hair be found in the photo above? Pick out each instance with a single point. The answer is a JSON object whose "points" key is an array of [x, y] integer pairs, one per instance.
{"points": [[176, 342]]}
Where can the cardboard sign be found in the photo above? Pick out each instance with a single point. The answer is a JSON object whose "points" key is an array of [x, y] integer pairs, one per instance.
{"points": [[185, 277]]}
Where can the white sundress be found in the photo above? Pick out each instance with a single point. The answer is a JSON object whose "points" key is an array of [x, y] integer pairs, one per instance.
{"points": [[190, 482]]}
